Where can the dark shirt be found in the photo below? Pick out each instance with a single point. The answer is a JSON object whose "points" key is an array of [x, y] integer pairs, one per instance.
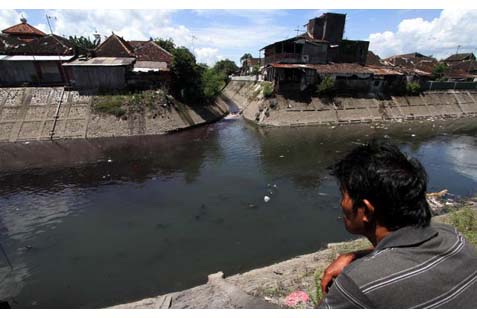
{"points": [[431, 267]]}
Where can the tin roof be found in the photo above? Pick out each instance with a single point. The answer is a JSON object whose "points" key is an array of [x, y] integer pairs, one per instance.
{"points": [[341, 68], [36, 57], [102, 61], [305, 36], [23, 28], [148, 66]]}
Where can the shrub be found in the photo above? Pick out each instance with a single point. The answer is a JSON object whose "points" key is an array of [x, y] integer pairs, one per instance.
{"points": [[267, 89], [326, 86], [111, 104], [413, 88]]}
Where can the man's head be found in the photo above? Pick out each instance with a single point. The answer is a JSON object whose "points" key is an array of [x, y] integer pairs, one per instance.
{"points": [[379, 184]]}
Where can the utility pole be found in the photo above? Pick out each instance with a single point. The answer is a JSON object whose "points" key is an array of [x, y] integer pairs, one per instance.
{"points": [[458, 47], [48, 20]]}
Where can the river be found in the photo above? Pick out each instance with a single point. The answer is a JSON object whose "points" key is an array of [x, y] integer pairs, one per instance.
{"points": [[89, 224]]}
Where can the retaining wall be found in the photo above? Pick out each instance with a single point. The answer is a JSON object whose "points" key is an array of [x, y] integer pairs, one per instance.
{"points": [[282, 111], [29, 114]]}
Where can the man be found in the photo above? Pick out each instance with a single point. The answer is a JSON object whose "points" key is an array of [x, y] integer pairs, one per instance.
{"points": [[414, 264]]}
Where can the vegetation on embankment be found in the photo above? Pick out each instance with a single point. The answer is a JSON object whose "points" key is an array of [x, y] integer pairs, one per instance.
{"points": [[125, 103]]}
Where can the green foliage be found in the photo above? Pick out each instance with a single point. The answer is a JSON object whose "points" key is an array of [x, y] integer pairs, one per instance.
{"points": [[166, 44], [326, 86], [83, 44], [212, 83], [225, 67], [110, 104], [413, 88], [267, 89], [465, 220], [255, 70], [186, 76], [245, 57], [438, 71]]}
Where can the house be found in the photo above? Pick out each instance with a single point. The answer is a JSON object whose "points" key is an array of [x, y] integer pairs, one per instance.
{"points": [[29, 56], [461, 66], [117, 64], [321, 44], [152, 66], [107, 69], [415, 66], [250, 64]]}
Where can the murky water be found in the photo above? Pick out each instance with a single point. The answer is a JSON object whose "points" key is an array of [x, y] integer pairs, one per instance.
{"points": [[109, 221]]}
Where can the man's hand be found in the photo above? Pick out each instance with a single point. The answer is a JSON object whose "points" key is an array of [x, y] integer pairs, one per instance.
{"points": [[335, 268]]}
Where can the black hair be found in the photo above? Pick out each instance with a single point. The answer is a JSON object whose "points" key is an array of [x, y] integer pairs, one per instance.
{"points": [[394, 184]]}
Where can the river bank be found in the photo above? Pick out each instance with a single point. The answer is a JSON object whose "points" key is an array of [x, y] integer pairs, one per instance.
{"points": [[299, 110], [44, 113], [268, 287]]}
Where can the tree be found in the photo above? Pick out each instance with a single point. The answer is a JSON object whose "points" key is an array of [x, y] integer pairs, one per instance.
{"points": [[225, 67], [166, 44], [83, 44], [245, 57], [212, 83], [439, 70], [186, 76]]}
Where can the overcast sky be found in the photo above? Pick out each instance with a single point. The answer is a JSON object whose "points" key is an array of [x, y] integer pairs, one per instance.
{"points": [[219, 34]]}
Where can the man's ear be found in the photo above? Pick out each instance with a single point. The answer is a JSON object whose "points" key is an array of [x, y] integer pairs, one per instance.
{"points": [[369, 211]]}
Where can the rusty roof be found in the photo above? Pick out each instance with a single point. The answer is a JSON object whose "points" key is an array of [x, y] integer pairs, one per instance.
{"points": [[341, 68], [145, 66], [102, 61], [23, 28], [373, 59]]}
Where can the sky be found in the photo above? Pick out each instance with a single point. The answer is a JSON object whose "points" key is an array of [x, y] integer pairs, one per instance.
{"points": [[218, 34]]}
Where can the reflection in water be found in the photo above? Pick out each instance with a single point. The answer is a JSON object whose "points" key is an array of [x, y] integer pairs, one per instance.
{"points": [[96, 223]]}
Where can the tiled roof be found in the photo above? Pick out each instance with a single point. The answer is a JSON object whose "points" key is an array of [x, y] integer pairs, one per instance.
{"points": [[8, 43], [23, 29], [150, 51], [460, 57], [46, 45], [114, 46], [373, 59]]}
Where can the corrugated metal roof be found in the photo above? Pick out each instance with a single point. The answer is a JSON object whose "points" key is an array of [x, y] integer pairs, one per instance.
{"points": [[35, 57], [343, 68], [148, 66], [103, 61]]}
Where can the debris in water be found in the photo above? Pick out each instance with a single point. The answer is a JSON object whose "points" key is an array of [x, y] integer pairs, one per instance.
{"points": [[386, 137], [413, 135], [266, 198], [322, 193], [275, 186], [282, 156], [251, 206], [333, 127], [26, 142], [109, 160], [296, 298]]}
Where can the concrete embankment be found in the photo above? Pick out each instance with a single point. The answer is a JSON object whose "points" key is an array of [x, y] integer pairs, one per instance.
{"points": [[39, 113], [268, 287], [301, 111]]}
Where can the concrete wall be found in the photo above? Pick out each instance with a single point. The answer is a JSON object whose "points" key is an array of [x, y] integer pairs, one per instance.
{"points": [[29, 114], [281, 111]]}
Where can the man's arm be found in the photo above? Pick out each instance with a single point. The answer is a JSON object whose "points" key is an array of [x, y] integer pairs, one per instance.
{"points": [[345, 294], [337, 266]]}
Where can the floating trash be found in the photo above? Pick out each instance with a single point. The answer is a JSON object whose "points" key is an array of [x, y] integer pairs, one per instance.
{"points": [[26, 142], [282, 156], [413, 135], [266, 198], [109, 160]]}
